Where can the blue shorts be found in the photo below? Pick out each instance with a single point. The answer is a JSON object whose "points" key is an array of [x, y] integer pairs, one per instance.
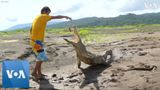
{"points": [[42, 56], [40, 52]]}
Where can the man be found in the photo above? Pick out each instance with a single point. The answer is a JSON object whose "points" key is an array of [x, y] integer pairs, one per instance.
{"points": [[37, 35]]}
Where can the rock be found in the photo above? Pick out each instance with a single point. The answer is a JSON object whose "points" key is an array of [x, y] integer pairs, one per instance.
{"points": [[92, 88], [9, 52], [55, 54], [147, 80], [29, 49], [54, 75], [26, 39], [73, 80], [51, 50], [64, 53], [104, 81], [152, 47], [124, 49], [57, 48], [142, 53], [113, 74], [133, 45], [47, 37], [61, 78], [66, 84], [151, 33], [113, 79], [140, 49], [73, 75]]}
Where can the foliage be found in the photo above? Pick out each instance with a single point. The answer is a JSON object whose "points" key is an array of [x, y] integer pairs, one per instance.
{"points": [[99, 34], [84, 32]]}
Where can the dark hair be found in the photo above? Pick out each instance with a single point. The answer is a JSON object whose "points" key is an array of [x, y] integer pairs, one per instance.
{"points": [[45, 9]]}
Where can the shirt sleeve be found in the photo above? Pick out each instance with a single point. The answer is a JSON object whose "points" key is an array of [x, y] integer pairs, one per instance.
{"points": [[47, 17]]}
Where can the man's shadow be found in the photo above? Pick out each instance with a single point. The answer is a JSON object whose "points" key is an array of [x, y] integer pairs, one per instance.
{"points": [[91, 74], [44, 84]]}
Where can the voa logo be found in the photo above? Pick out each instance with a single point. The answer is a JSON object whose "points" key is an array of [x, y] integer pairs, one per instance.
{"points": [[15, 74], [12, 73]]}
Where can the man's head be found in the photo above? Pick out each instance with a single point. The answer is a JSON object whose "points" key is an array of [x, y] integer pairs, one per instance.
{"points": [[45, 10]]}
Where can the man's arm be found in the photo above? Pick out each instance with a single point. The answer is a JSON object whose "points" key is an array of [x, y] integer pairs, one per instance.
{"points": [[60, 17]]}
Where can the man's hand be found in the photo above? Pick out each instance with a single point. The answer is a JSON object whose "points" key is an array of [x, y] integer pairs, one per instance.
{"points": [[68, 18]]}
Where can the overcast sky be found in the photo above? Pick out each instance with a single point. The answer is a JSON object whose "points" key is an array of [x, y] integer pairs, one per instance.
{"points": [[15, 12]]}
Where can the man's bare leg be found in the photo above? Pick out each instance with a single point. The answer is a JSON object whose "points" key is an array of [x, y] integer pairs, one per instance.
{"points": [[37, 70]]}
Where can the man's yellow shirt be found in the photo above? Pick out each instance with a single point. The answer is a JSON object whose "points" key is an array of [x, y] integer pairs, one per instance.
{"points": [[38, 27]]}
